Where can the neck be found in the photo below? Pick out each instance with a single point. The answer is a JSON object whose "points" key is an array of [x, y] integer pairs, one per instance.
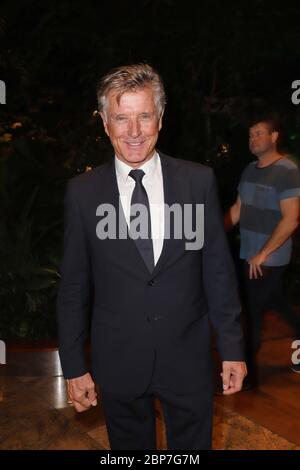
{"points": [[136, 165], [268, 158]]}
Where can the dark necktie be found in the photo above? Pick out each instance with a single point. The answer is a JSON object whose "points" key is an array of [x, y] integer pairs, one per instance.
{"points": [[139, 196]]}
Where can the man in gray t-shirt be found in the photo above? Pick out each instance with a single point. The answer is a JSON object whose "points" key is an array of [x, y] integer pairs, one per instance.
{"points": [[267, 209], [263, 191]]}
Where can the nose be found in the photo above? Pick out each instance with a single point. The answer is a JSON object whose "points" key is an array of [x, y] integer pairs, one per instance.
{"points": [[134, 128]]}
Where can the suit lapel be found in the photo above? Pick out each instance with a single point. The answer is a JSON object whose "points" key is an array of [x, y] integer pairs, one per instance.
{"points": [[174, 193], [112, 195]]}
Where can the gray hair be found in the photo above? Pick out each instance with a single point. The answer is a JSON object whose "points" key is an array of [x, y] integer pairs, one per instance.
{"points": [[131, 78]]}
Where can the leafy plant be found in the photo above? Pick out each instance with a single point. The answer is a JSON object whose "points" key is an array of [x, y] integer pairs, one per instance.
{"points": [[30, 232]]}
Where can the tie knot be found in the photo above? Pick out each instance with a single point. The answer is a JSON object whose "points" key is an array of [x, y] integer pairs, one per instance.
{"points": [[137, 175]]}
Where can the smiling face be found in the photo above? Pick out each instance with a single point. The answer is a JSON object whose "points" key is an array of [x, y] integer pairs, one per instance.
{"points": [[132, 124]]}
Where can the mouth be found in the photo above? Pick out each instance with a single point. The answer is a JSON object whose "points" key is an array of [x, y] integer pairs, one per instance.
{"points": [[134, 144]]}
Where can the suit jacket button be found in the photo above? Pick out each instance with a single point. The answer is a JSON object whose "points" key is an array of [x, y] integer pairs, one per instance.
{"points": [[150, 283]]}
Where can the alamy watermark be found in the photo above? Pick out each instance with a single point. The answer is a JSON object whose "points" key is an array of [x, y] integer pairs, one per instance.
{"points": [[296, 94], [2, 352], [296, 353], [180, 222], [2, 92]]}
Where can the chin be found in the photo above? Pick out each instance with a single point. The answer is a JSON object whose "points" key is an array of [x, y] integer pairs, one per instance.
{"points": [[135, 158], [255, 152]]}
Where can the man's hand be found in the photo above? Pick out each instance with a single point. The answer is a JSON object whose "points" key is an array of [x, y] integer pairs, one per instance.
{"points": [[233, 375], [81, 391], [255, 265]]}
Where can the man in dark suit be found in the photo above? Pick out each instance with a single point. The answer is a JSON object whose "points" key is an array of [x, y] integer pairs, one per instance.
{"points": [[132, 253]]}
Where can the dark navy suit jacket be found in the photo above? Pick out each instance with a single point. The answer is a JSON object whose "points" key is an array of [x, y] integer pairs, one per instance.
{"points": [[140, 319]]}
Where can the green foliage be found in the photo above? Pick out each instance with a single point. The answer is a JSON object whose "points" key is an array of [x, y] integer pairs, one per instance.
{"points": [[217, 60], [30, 235]]}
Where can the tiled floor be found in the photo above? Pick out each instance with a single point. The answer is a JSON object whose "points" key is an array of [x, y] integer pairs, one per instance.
{"points": [[34, 413]]}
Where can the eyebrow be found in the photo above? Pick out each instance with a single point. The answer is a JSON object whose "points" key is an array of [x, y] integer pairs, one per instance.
{"points": [[258, 132]]}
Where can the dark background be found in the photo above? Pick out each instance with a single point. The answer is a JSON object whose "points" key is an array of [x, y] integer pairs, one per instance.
{"points": [[220, 61]]}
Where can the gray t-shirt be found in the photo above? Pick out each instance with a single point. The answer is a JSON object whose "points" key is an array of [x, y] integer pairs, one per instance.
{"points": [[261, 190]]}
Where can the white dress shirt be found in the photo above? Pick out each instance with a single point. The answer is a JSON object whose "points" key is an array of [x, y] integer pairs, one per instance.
{"points": [[153, 184]]}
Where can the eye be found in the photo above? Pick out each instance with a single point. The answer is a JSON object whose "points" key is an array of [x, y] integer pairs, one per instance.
{"points": [[145, 116], [121, 119], [257, 134]]}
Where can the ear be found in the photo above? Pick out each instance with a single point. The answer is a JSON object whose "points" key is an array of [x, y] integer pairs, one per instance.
{"points": [[105, 123], [274, 137], [160, 120]]}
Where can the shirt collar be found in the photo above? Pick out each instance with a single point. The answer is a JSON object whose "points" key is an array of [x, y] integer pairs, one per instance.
{"points": [[150, 168]]}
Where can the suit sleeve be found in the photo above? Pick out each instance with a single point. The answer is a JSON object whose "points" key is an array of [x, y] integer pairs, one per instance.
{"points": [[74, 291], [219, 277]]}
